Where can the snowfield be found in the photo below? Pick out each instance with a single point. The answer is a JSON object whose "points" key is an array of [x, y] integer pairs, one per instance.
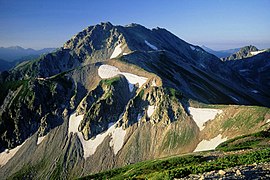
{"points": [[150, 45], [40, 139], [150, 110], [108, 71], [205, 145], [256, 52], [117, 51], [202, 115], [8, 154], [90, 146]]}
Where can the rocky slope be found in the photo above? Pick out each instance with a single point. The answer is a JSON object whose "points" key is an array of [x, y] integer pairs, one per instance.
{"points": [[244, 52], [115, 95]]}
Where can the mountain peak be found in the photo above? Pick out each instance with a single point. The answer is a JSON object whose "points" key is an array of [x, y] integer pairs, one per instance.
{"points": [[244, 52]]}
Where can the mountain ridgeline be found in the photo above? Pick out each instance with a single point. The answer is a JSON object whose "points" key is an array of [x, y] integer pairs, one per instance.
{"points": [[116, 95]]}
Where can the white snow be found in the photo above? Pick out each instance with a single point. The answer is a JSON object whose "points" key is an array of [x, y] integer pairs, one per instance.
{"points": [[117, 51], [90, 146], [234, 98], [8, 154], [206, 145], [110, 124], [118, 136], [150, 110], [40, 139], [193, 48], [139, 117], [151, 45], [202, 115], [108, 71], [255, 91], [256, 52], [244, 70], [134, 79], [154, 83], [202, 65]]}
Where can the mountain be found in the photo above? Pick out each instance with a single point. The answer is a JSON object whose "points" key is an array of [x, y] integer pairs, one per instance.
{"points": [[4, 65], [244, 52], [117, 95], [221, 53], [17, 53]]}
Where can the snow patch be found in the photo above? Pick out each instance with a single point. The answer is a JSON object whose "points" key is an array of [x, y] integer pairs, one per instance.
{"points": [[110, 124], [202, 115], [139, 117], [117, 51], [154, 83], [206, 145], [234, 98], [134, 79], [40, 139], [108, 71], [90, 146], [243, 70], [256, 52], [193, 48], [202, 65], [150, 110], [8, 154], [151, 45], [255, 91], [118, 136]]}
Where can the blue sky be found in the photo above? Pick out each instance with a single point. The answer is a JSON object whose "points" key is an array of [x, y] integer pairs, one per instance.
{"points": [[218, 24]]}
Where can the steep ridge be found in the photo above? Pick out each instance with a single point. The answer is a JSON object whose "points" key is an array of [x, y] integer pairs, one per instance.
{"points": [[115, 95]]}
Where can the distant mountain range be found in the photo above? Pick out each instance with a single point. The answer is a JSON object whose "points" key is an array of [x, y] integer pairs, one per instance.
{"points": [[16, 52], [221, 53], [10, 56]]}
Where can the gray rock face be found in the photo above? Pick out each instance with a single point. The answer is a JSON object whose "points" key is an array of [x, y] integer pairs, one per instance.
{"points": [[244, 52]]}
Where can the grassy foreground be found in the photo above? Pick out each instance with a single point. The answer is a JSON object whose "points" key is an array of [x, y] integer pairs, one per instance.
{"points": [[181, 166]]}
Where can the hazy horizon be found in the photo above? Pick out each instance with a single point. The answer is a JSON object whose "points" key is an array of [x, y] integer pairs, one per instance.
{"points": [[219, 25]]}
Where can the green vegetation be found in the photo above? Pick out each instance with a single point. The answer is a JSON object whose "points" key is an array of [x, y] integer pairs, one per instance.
{"points": [[177, 167], [176, 139], [11, 85], [111, 81], [28, 171], [252, 115], [174, 93], [251, 141]]}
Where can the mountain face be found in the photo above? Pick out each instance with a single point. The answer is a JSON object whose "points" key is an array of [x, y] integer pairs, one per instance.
{"points": [[221, 53], [17, 53], [116, 95], [4, 65], [244, 52]]}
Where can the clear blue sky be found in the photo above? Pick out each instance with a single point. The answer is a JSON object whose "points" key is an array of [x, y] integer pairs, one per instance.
{"points": [[219, 24]]}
